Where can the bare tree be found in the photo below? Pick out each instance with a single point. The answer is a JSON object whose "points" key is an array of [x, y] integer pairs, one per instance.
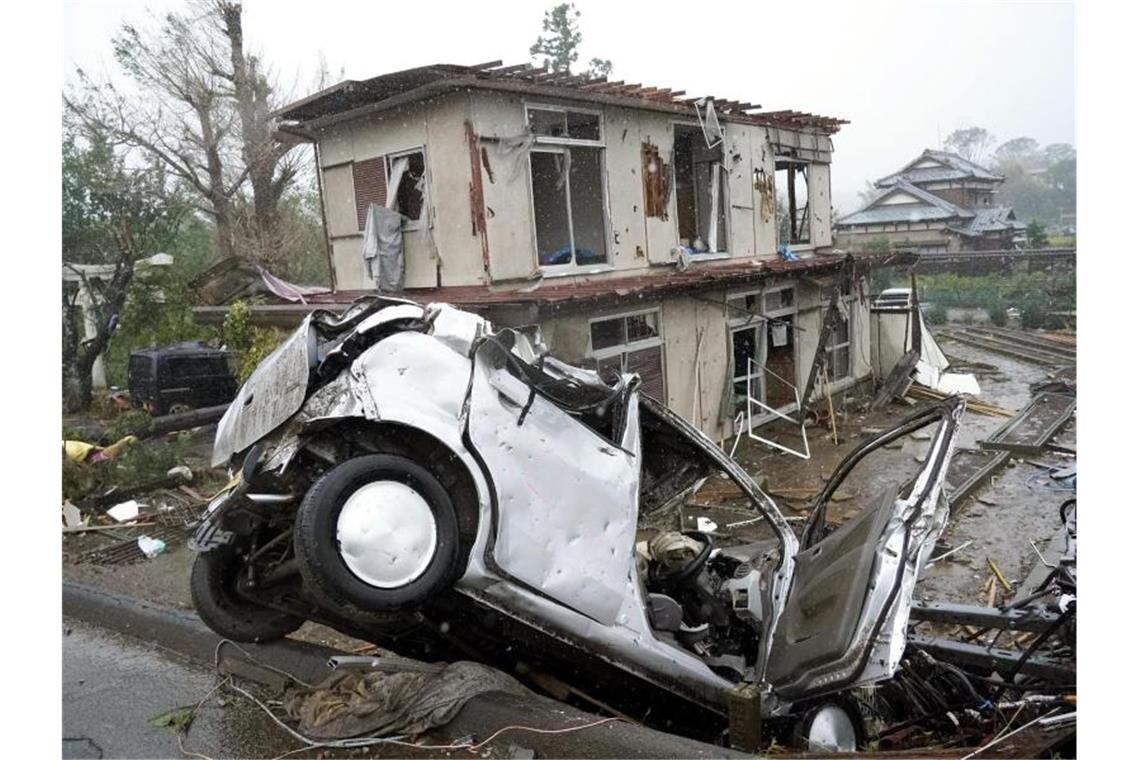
{"points": [[271, 164], [970, 143], [202, 110]]}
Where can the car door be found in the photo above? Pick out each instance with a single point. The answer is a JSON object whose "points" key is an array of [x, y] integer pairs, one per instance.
{"points": [[845, 616], [565, 497]]}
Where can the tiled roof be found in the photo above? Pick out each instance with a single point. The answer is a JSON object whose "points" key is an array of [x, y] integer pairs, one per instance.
{"points": [[418, 83], [929, 208], [991, 219], [953, 167]]}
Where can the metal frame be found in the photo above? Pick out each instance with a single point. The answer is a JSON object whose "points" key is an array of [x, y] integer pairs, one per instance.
{"points": [[806, 453]]}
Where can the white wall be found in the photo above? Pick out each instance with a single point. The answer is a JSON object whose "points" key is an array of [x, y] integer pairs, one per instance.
{"points": [[450, 252]]}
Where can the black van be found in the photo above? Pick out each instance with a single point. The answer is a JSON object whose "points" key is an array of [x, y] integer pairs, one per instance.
{"points": [[179, 378]]}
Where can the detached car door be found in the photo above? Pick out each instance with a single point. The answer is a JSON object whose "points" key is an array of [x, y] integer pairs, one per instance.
{"points": [[845, 616]]}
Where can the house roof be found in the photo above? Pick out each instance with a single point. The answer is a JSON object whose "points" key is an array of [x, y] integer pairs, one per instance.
{"points": [[991, 219], [951, 166], [927, 208], [389, 90], [559, 294]]}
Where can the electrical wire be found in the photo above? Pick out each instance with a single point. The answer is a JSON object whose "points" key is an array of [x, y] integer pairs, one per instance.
{"points": [[400, 740], [254, 660], [982, 749], [351, 743]]}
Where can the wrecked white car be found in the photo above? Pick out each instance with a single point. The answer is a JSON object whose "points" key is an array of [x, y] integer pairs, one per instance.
{"points": [[413, 476]]}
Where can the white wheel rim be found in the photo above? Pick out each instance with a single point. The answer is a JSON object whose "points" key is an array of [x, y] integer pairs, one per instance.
{"points": [[831, 730], [386, 534]]}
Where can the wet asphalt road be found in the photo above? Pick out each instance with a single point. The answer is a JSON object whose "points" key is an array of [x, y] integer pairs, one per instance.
{"points": [[113, 685]]}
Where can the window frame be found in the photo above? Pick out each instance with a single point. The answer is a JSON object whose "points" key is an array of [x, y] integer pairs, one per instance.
{"points": [[832, 348], [407, 224], [622, 349], [548, 144], [757, 320], [810, 242], [529, 106], [724, 193]]}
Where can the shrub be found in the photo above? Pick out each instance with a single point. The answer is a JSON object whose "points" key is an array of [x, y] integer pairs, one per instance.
{"points": [[248, 344], [936, 314]]}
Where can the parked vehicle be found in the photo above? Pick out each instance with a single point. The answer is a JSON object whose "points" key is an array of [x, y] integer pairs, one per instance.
{"points": [[414, 476], [179, 378]]}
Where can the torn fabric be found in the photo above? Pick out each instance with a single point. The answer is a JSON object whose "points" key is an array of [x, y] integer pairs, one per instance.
{"points": [[383, 248], [516, 150], [352, 703]]}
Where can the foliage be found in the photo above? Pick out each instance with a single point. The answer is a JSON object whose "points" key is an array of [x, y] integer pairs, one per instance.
{"points": [[134, 466], [1035, 294], [264, 341], [935, 314], [177, 720], [248, 344], [997, 313], [1039, 183], [1017, 149], [557, 46], [970, 142], [882, 278], [1035, 234], [157, 313], [878, 245], [113, 214]]}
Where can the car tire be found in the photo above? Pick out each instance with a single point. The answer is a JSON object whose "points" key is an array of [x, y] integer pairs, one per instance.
{"points": [[212, 590], [377, 534]]}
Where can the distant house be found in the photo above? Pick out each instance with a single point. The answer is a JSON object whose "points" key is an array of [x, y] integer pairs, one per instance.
{"points": [[938, 203]]}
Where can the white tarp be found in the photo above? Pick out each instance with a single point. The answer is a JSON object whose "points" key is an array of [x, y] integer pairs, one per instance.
{"points": [[890, 334]]}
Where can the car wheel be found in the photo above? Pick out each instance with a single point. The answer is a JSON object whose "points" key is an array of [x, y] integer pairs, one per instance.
{"points": [[179, 409], [829, 726], [378, 534], [213, 592]]}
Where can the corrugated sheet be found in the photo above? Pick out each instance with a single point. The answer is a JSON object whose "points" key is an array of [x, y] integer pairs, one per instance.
{"points": [[559, 293]]}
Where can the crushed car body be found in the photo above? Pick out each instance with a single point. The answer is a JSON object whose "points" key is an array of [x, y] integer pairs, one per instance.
{"points": [[415, 474]]}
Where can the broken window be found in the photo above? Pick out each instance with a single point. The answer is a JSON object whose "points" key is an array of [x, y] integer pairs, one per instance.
{"points": [[702, 191], [567, 188], [793, 223], [839, 350], [631, 343], [407, 174], [563, 124]]}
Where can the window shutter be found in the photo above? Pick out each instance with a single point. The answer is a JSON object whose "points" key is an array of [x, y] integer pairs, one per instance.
{"points": [[647, 363], [370, 184]]}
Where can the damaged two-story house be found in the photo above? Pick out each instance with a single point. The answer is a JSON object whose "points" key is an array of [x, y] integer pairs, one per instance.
{"points": [[637, 228], [937, 203]]}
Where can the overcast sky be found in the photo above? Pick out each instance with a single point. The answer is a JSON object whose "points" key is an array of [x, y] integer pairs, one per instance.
{"points": [[903, 73]]}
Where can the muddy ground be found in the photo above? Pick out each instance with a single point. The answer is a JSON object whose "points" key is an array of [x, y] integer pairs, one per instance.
{"points": [[1000, 518]]}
